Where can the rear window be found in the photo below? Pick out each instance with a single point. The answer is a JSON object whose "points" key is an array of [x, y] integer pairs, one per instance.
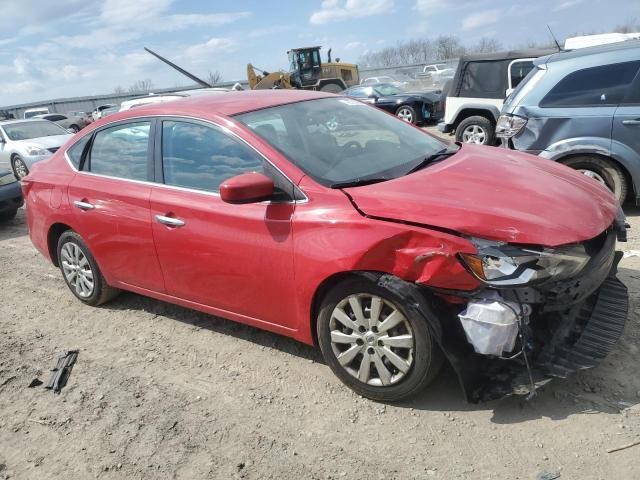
{"points": [[604, 85]]}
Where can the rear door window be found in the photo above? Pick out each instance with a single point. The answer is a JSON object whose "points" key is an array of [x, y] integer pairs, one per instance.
{"points": [[604, 85], [122, 151]]}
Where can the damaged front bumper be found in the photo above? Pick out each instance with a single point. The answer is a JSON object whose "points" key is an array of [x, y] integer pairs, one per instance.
{"points": [[570, 325]]}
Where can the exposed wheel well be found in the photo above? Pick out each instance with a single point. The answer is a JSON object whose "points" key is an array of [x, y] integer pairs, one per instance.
{"points": [[56, 230], [627, 175], [322, 291], [470, 112]]}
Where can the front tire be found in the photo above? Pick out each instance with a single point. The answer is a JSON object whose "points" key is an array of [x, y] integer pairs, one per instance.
{"points": [[81, 272], [603, 171], [407, 113], [476, 129], [20, 169], [373, 344]]}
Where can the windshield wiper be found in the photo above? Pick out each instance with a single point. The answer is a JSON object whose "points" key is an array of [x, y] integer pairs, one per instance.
{"points": [[358, 182], [435, 157]]}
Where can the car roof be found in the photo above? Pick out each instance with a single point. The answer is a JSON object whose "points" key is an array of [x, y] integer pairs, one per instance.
{"points": [[231, 103], [588, 51]]}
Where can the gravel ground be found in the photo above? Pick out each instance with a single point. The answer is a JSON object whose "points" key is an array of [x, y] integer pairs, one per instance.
{"points": [[162, 392]]}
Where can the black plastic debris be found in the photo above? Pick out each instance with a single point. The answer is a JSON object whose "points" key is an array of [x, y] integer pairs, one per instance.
{"points": [[61, 371], [36, 382]]}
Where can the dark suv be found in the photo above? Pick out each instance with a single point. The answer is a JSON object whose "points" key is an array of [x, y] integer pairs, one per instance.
{"points": [[582, 108]]}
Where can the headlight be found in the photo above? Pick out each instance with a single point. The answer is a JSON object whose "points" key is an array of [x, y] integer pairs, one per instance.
{"points": [[501, 264], [37, 151], [509, 125]]}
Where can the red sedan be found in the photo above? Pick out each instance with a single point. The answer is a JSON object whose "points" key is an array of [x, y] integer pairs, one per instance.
{"points": [[324, 219]]}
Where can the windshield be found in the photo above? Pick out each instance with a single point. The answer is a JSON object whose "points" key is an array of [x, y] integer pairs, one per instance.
{"points": [[342, 140], [385, 90], [37, 129]]}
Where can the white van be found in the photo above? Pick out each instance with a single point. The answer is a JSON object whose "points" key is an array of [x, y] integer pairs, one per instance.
{"points": [[32, 112]]}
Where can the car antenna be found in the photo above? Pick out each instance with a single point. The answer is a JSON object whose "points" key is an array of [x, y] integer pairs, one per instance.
{"points": [[180, 69], [554, 38]]}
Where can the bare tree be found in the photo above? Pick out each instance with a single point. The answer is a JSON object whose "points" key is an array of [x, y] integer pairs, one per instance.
{"points": [[630, 25], [119, 90], [213, 78], [487, 45], [448, 46], [141, 86]]}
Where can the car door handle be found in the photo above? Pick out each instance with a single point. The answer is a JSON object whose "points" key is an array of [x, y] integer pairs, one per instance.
{"points": [[82, 205], [631, 122], [169, 221]]}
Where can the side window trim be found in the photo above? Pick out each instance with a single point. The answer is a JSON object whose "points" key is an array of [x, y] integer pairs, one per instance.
{"points": [[87, 155], [297, 195]]}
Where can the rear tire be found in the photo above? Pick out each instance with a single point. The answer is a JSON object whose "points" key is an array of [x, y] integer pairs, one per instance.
{"points": [[381, 349], [603, 171], [8, 216], [81, 272], [476, 129]]}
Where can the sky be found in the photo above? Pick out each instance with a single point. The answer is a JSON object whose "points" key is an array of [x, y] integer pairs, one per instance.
{"points": [[73, 48]]}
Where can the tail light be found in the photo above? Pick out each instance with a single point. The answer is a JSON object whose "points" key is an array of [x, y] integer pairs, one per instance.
{"points": [[509, 125]]}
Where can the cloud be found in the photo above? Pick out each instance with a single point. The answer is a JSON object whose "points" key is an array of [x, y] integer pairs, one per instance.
{"points": [[427, 7], [567, 4], [353, 45], [203, 51], [152, 15], [263, 32], [481, 19], [336, 10]]}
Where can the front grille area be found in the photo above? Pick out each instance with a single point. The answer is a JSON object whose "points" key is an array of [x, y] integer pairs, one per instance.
{"points": [[54, 149]]}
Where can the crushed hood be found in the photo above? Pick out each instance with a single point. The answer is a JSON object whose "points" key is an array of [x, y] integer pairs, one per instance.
{"points": [[496, 194]]}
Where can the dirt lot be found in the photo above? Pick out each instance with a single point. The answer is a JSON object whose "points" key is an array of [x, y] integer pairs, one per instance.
{"points": [[163, 392]]}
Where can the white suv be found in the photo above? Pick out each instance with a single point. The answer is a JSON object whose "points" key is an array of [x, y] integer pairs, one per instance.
{"points": [[475, 96]]}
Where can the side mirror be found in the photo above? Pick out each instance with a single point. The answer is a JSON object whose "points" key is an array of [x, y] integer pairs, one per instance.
{"points": [[249, 187]]}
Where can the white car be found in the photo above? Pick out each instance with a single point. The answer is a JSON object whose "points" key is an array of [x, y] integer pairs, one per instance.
{"points": [[25, 142], [383, 79], [153, 98], [32, 112], [437, 72]]}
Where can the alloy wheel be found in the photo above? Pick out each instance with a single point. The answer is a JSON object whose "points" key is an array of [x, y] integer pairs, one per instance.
{"points": [[372, 339], [405, 114], [595, 175], [77, 269], [474, 134], [20, 169]]}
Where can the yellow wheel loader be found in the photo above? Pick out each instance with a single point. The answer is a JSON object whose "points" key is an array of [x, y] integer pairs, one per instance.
{"points": [[307, 72]]}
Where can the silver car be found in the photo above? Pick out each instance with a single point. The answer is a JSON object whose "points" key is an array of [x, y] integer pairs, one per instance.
{"points": [[25, 142]]}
